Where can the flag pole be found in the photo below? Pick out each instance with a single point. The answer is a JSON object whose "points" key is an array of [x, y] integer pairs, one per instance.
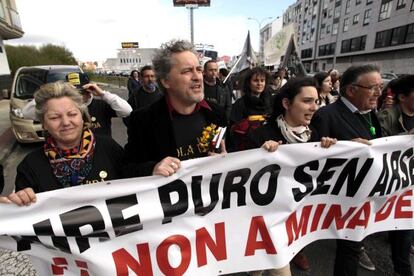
{"points": [[247, 55], [232, 69]]}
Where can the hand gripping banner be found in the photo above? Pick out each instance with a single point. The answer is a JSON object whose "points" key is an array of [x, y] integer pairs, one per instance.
{"points": [[240, 212]]}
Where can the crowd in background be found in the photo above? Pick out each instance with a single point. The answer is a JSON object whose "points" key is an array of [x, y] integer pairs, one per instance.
{"points": [[175, 103]]}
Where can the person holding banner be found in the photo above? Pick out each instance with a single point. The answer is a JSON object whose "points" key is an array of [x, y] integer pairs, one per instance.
{"points": [[352, 117], [171, 129], [71, 155], [399, 119], [293, 109]]}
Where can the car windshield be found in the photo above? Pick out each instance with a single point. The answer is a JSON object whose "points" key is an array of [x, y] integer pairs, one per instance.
{"points": [[29, 81], [388, 76]]}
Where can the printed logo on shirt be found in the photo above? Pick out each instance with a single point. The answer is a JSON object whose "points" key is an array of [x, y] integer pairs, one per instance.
{"points": [[189, 152]]}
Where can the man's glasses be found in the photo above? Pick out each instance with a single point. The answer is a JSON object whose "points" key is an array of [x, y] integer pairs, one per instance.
{"points": [[371, 88]]}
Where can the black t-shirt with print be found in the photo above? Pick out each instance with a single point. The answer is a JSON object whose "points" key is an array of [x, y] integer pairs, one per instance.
{"points": [[101, 115], [187, 128]]}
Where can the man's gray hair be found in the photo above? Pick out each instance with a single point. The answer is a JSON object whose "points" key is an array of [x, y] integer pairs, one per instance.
{"points": [[351, 75], [162, 59]]}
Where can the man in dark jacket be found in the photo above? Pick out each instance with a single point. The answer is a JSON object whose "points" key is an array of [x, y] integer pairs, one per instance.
{"points": [[352, 117], [397, 120], [148, 93], [168, 131], [214, 90]]}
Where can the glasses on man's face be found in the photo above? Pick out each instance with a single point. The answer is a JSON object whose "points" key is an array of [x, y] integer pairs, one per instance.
{"points": [[371, 88]]}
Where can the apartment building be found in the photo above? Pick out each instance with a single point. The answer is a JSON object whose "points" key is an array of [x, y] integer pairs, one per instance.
{"points": [[265, 35], [10, 28], [340, 33]]}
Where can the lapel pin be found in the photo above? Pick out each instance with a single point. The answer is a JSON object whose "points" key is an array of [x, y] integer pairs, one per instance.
{"points": [[103, 175]]}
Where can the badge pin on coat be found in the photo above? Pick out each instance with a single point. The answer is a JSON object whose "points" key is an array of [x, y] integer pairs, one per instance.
{"points": [[103, 175]]}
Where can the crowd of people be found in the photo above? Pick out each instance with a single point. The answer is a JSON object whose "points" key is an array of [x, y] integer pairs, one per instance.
{"points": [[175, 100]]}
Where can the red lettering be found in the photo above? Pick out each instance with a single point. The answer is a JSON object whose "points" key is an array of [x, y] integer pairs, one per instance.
{"points": [[83, 267], [59, 265], [361, 217], [217, 248], [123, 260], [257, 224], [292, 227], [386, 209], [162, 255], [335, 213], [317, 217], [403, 202]]}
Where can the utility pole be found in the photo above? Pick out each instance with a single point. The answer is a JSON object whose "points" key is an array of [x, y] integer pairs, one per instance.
{"points": [[191, 5], [191, 8]]}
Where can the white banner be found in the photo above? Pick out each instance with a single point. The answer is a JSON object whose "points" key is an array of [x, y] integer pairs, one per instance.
{"points": [[277, 45], [244, 211]]}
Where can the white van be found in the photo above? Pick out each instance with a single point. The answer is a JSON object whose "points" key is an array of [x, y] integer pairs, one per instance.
{"points": [[25, 83]]}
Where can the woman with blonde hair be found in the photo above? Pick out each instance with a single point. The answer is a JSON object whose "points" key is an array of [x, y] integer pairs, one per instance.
{"points": [[71, 155]]}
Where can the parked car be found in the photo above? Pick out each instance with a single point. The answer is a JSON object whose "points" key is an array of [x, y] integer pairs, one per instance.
{"points": [[387, 77], [25, 83], [402, 75]]}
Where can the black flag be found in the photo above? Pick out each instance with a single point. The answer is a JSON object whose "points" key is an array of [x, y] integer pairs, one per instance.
{"points": [[247, 58]]}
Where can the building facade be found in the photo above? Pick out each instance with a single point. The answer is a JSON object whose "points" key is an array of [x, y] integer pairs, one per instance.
{"points": [[341, 33], [265, 35], [129, 59], [10, 27]]}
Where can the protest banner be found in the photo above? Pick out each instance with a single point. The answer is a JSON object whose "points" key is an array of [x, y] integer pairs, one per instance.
{"points": [[240, 212]]}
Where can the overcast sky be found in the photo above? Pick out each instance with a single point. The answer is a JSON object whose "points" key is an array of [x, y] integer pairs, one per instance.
{"points": [[94, 29]]}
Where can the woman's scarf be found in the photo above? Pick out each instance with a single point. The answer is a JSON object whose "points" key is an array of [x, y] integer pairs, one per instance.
{"points": [[258, 105], [300, 134], [71, 166]]}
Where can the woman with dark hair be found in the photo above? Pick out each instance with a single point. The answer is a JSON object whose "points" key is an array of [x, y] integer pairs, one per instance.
{"points": [[335, 79], [72, 155], [133, 82], [324, 87], [253, 108], [294, 107], [386, 100], [256, 98]]}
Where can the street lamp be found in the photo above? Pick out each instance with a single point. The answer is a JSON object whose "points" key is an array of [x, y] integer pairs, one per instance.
{"points": [[260, 22]]}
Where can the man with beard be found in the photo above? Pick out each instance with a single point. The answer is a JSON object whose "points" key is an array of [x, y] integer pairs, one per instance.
{"points": [[169, 130], [148, 93]]}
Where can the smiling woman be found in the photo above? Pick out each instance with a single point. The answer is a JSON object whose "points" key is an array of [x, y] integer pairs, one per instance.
{"points": [[72, 155]]}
